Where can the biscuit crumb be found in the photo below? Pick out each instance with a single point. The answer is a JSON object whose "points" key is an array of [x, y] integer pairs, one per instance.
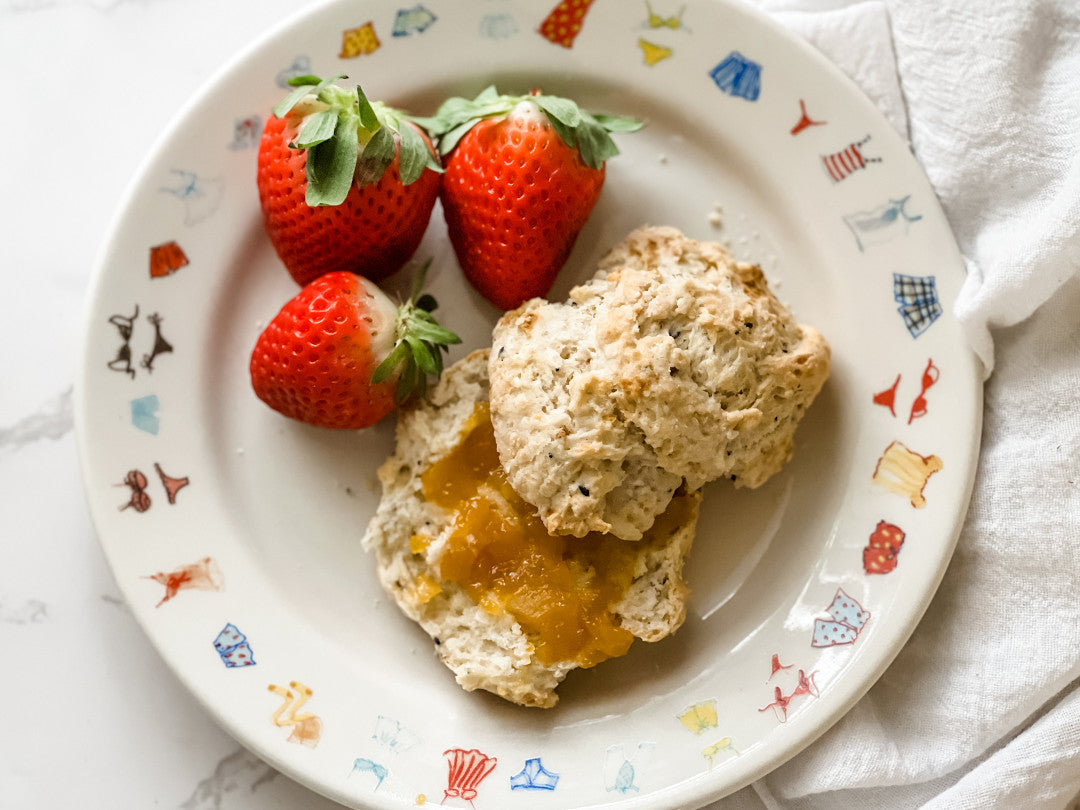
{"points": [[715, 217]]}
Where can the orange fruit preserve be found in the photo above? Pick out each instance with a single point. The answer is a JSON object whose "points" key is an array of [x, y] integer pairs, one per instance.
{"points": [[561, 590]]}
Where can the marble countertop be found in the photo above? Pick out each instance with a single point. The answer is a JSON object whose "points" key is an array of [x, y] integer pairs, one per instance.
{"points": [[95, 719]]}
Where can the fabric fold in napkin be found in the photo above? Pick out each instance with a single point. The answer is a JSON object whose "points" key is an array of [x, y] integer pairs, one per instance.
{"points": [[982, 706], [985, 94]]}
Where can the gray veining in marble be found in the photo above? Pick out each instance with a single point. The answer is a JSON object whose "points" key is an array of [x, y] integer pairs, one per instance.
{"points": [[116, 601], [53, 420], [32, 611], [239, 770]]}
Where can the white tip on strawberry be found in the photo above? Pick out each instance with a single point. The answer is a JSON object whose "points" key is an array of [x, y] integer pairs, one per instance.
{"points": [[419, 343]]}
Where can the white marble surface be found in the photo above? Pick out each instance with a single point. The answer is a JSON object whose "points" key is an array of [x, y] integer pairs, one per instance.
{"points": [[94, 718]]}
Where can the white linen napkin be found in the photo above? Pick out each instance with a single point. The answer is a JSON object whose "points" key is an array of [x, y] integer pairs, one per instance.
{"points": [[982, 706]]}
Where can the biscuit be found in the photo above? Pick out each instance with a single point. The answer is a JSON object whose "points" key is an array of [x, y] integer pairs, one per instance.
{"points": [[485, 647], [674, 366]]}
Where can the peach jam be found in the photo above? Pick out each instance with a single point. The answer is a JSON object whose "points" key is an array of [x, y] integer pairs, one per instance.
{"points": [[560, 590]]}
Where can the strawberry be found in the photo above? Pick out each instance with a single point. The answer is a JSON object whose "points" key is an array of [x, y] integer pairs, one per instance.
{"points": [[341, 354], [344, 183], [522, 176]]}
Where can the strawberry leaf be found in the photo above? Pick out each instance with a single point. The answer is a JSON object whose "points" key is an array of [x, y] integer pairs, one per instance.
{"points": [[488, 95], [317, 128], [432, 332], [335, 124], [450, 139], [422, 354], [281, 109], [415, 156], [419, 346], [558, 109], [618, 123], [391, 363], [378, 154], [332, 164], [418, 284], [594, 142], [578, 129], [368, 118], [568, 135]]}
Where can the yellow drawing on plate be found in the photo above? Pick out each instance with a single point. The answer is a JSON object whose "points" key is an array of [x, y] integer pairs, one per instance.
{"points": [[905, 472], [361, 41], [710, 752], [652, 52], [655, 20], [306, 727], [700, 716]]}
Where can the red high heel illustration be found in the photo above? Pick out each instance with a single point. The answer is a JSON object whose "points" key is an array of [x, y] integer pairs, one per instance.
{"points": [[806, 685], [777, 666], [779, 705]]}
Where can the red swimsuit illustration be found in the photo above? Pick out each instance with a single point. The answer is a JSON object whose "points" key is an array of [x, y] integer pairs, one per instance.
{"points": [[887, 398], [805, 121]]}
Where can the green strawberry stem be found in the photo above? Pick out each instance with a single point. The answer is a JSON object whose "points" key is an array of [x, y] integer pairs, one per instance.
{"points": [[350, 139], [419, 343], [579, 129]]}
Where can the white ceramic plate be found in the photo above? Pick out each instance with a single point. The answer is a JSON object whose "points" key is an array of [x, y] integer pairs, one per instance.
{"points": [[226, 524]]}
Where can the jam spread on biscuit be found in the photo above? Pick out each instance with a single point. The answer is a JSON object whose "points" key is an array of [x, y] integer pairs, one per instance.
{"points": [[561, 590]]}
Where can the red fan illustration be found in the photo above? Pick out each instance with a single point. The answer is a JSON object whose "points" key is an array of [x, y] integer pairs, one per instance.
{"points": [[468, 768]]}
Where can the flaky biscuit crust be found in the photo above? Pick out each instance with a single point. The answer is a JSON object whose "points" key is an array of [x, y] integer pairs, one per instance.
{"points": [[674, 366]]}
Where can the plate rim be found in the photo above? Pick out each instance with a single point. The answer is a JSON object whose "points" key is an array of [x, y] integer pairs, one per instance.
{"points": [[698, 790]]}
